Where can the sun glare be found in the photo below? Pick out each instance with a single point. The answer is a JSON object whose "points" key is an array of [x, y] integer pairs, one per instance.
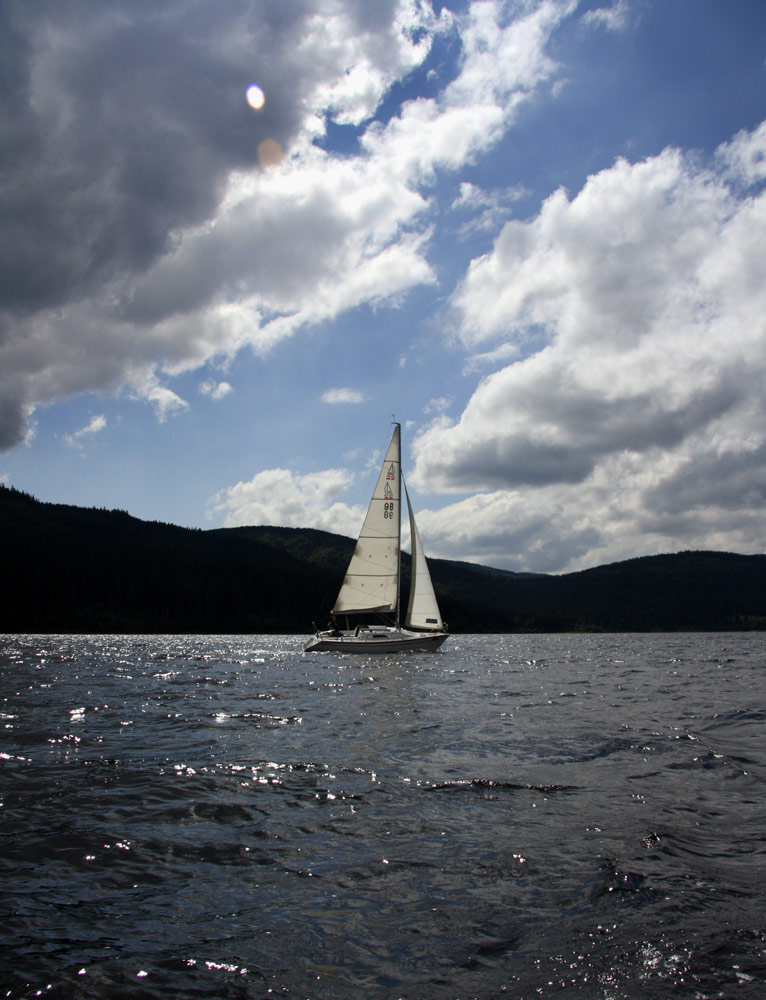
{"points": [[255, 96]]}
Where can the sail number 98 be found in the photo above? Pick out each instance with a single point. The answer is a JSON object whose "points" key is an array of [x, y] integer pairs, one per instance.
{"points": [[388, 509]]}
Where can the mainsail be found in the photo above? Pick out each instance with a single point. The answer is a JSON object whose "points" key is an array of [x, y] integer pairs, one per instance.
{"points": [[422, 611], [372, 579]]}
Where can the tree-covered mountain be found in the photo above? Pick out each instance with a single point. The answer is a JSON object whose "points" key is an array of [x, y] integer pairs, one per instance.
{"points": [[72, 569]]}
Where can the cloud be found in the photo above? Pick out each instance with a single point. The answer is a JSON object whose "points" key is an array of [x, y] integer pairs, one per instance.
{"points": [[166, 403], [744, 158], [511, 530], [142, 238], [645, 295], [285, 498], [215, 390], [487, 210], [94, 426], [333, 396], [439, 404], [614, 18]]}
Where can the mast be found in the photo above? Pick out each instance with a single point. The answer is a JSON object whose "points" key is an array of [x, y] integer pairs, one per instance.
{"points": [[399, 540]]}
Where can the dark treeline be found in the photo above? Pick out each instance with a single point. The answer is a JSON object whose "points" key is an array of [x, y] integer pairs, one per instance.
{"points": [[72, 569]]}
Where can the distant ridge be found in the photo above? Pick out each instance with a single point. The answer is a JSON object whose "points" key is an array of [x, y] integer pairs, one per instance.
{"points": [[75, 569]]}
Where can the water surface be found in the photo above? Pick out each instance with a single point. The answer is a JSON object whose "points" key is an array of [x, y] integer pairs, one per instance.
{"points": [[530, 816]]}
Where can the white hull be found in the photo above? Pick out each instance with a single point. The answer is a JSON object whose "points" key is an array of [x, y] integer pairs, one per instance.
{"points": [[375, 640]]}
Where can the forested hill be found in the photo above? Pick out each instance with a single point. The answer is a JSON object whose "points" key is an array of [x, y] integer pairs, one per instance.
{"points": [[72, 569]]}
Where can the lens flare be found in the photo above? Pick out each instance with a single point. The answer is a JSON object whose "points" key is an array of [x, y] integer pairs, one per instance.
{"points": [[269, 153], [255, 96]]}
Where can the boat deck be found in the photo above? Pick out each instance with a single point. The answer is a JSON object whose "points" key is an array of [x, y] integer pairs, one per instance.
{"points": [[372, 639]]}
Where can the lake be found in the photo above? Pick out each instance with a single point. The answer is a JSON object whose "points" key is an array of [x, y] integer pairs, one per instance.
{"points": [[522, 815]]}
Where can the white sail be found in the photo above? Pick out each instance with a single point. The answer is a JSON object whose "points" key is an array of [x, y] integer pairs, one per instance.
{"points": [[422, 611], [372, 579]]}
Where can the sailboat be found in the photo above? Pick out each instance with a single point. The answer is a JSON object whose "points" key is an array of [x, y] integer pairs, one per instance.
{"points": [[372, 585]]}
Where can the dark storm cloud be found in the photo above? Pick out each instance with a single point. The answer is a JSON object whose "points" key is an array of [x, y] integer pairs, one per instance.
{"points": [[733, 481], [557, 429], [122, 122], [517, 460], [137, 212], [12, 418]]}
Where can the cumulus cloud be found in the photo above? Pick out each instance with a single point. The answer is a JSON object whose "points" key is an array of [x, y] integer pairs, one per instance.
{"points": [[285, 498], [142, 238], [648, 292], [744, 158]]}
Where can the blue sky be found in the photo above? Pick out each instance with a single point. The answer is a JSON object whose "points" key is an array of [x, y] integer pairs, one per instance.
{"points": [[532, 232]]}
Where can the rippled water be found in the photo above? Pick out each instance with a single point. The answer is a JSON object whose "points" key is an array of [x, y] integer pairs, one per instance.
{"points": [[521, 816]]}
